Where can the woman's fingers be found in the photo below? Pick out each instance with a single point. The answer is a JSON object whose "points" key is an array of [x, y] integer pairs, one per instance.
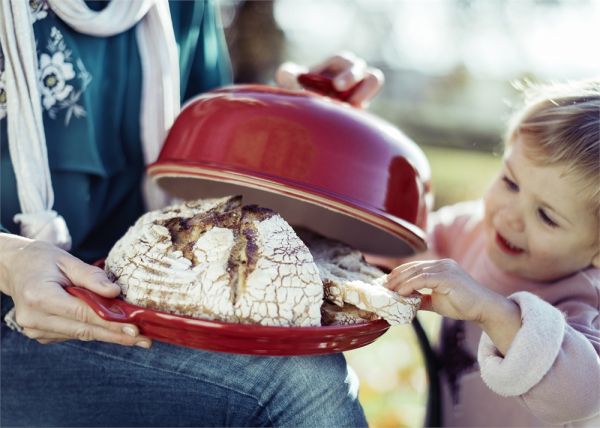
{"points": [[87, 276], [46, 328], [287, 74], [371, 84], [44, 336], [94, 279], [340, 64], [62, 304], [349, 70], [86, 332], [53, 302], [47, 313], [346, 69]]}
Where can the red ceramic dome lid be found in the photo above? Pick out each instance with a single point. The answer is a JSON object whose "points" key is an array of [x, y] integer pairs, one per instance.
{"points": [[319, 162]]}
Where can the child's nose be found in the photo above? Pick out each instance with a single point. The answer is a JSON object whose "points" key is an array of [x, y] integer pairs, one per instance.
{"points": [[514, 219]]}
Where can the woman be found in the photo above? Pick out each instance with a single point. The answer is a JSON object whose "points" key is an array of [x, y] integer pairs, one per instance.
{"points": [[90, 91]]}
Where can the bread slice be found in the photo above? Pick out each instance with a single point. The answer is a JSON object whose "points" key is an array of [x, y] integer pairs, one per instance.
{"points": [[350, 282]]}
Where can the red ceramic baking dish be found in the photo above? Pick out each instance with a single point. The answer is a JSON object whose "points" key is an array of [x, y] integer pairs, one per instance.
{"points": [[233, 338], [318, 161]]}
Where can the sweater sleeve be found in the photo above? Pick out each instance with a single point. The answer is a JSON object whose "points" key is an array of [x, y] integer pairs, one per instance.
{"points": [[550, 365]]}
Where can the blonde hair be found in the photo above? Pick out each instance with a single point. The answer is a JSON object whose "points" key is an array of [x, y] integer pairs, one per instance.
{"points": [[560, 124]]}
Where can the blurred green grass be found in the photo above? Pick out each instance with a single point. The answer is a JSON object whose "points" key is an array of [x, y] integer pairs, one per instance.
{"points": [[391, 370], [459, 175]]}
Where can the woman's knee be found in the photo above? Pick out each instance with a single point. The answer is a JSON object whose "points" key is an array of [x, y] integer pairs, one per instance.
{"points": [[313, 391], [319, 375]]}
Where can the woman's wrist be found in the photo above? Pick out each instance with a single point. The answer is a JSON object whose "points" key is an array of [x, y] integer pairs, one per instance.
{"points": [[10, 246], [501, 320]]}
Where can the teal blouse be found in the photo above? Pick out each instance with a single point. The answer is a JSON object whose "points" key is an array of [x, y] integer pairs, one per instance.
{"points": [[90, 91]]}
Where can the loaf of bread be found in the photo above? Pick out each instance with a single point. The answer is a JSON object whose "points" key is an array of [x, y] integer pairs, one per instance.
{"points": [[219, 260]]}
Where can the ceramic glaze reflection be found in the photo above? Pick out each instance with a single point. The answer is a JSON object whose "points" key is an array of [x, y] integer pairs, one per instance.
{"points": [[310, 148]]}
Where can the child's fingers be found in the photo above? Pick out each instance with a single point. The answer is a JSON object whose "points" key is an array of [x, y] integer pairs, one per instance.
{"points": [[405, 272], [414, 284], [401, 272]]}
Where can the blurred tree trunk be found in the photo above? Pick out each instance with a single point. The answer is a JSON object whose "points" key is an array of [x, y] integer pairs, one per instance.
{"points": [[256, 43]]}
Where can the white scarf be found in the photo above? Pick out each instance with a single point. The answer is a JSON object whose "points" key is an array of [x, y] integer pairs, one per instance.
{"points": [[26, 139]]}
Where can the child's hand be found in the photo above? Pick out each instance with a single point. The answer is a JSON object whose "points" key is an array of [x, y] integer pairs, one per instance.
{"points": [[454, 293]]}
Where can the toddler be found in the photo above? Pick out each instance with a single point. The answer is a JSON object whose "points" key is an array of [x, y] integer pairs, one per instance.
{"points": [[522, 266]]}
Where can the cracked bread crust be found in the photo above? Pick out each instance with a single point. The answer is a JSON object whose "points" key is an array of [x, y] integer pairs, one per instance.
{"points": [[217, 260], [282, 286]]}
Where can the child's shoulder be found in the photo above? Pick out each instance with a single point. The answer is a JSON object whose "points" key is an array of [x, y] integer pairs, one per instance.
{"points": [[581, 288], [589, 277], [592, 275]]}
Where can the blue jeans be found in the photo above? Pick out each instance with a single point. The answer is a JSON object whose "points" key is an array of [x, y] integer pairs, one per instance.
{"points": [[97, 384]]}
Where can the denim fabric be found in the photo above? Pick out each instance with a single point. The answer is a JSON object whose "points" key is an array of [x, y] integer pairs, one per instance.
{"points": [[96, 384]]}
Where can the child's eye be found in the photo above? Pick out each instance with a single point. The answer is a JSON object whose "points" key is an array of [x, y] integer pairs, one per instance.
{"points": [[511, 185], [546, 219]]}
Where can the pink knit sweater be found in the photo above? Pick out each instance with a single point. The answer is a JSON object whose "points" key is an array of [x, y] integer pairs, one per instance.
{"points": [[551, 373]]}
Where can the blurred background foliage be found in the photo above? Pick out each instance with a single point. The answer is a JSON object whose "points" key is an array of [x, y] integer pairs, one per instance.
{"points": [[450, 66]]}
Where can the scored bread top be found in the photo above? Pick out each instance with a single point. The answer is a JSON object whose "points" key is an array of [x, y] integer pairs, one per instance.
{"points": [[215, 259]]}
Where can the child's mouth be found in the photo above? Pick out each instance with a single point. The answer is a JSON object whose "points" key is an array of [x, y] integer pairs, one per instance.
{"points": [[506, 246]]}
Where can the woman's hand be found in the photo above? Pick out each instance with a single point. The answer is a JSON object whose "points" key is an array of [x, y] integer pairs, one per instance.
{"points": [[347, 69], [455, 294], [34, 274]]}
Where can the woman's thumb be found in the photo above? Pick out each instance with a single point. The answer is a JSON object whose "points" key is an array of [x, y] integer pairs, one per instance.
{"points": [[87, 276]]}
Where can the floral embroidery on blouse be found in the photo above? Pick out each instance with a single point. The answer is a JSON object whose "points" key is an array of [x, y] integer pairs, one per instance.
{"points": [[61, 79]]}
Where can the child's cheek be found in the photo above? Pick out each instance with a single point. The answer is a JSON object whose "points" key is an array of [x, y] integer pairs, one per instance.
{"points": [[552, 257]]}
